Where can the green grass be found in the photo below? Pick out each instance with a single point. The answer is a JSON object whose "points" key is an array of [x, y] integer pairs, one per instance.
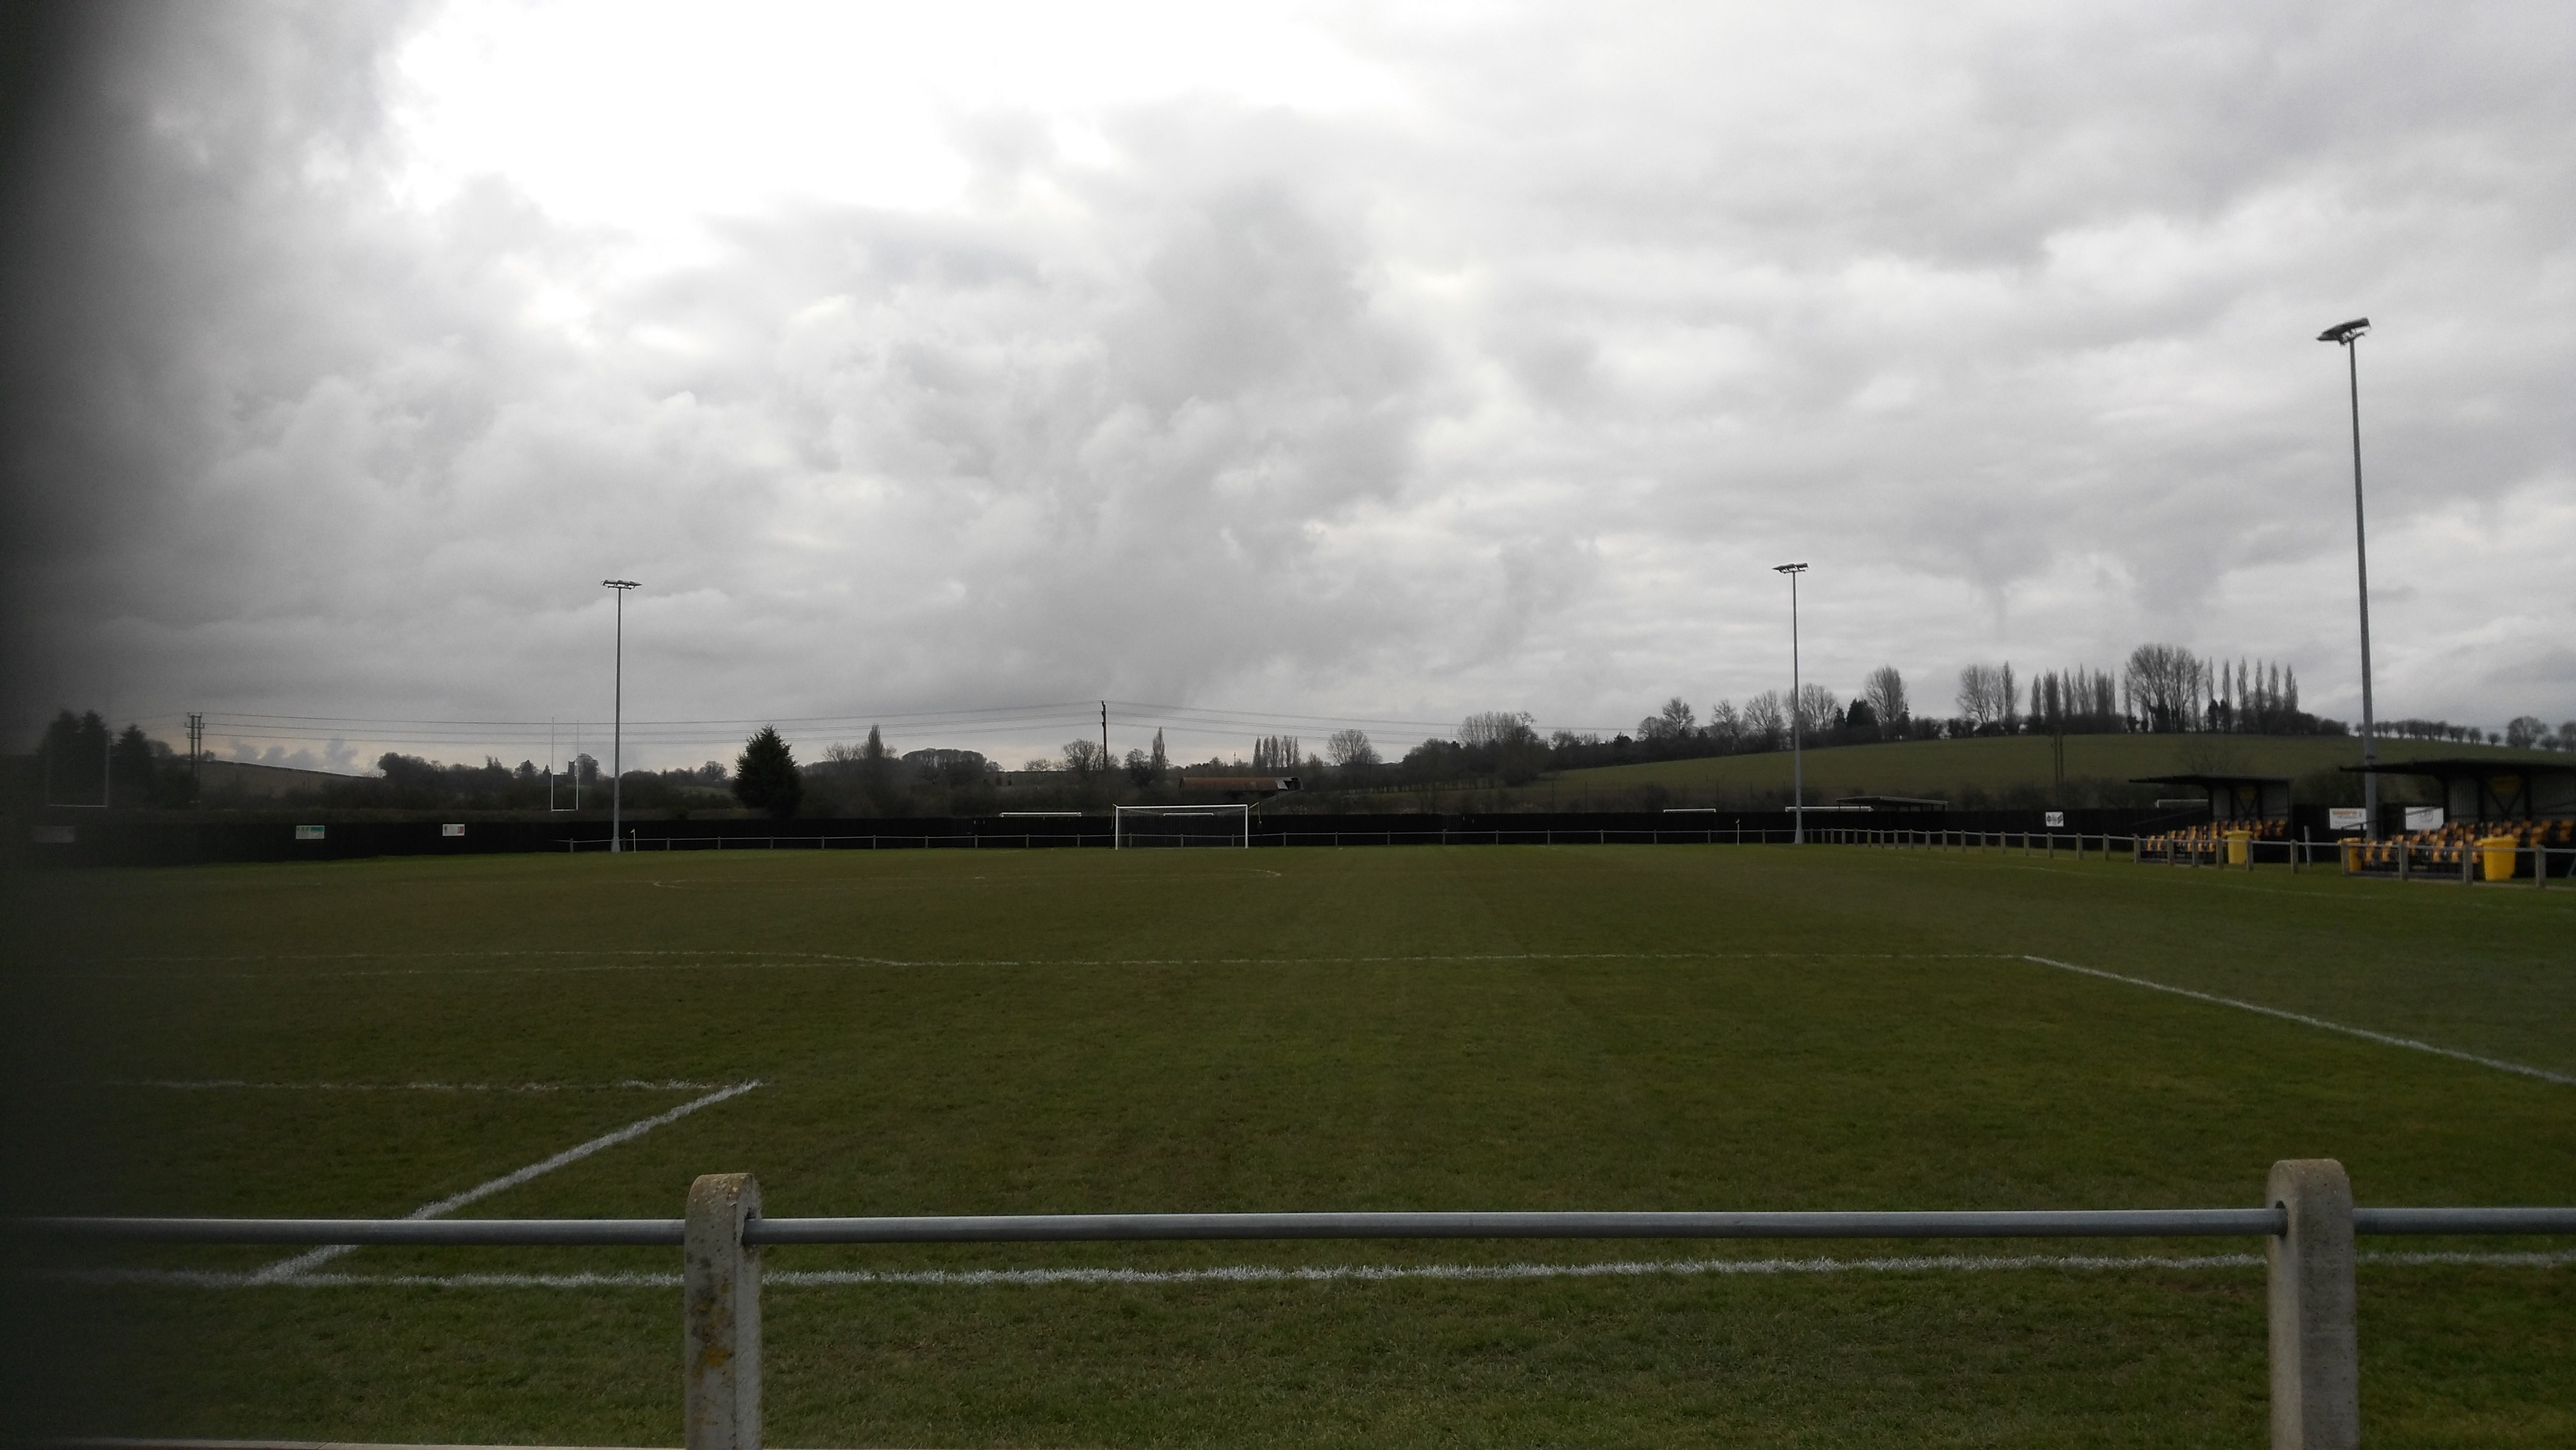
{"points": [[1993, 767], [1671, 1027]]}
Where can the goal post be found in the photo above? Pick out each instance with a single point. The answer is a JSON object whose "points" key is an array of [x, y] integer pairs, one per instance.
{"points": [[1241, 810]]}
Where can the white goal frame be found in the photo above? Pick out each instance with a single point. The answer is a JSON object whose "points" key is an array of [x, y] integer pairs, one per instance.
{"points": [[1118, 818]]}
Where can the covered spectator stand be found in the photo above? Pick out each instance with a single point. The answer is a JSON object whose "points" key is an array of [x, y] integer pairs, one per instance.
{"points": [[2239, 799], [2490, 789], [2256, 807], [2525, 804]]}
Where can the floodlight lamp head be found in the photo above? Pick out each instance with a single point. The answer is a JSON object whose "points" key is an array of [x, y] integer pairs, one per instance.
{"points": [[1788, 568], [2345, 332], [619, 584]]}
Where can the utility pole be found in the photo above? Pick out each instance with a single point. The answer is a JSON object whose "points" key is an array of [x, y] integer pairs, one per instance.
{"points": [[1104, 737], [2348, 333], [1797, 750], [617, 707], [196, 750]]}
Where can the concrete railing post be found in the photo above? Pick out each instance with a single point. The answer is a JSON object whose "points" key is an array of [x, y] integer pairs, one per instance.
{"points": [[2316, 1360], [720, 1367]]}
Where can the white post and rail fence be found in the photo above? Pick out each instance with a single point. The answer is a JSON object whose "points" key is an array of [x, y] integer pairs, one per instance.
{"points": [[2307, 1221]]}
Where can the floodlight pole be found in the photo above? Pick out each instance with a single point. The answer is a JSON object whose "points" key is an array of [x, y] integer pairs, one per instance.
{"points": [[1797, 750], [617, 717], [2347, 334]]}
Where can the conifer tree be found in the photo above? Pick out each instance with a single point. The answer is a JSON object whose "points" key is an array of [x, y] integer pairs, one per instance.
{"points": [[765, 777]]}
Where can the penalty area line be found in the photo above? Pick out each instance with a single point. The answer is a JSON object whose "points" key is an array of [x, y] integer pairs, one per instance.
{"points": [[2304, 1020], [292, 1269], [656, 961], [1267, 1274], [245, 1085]]}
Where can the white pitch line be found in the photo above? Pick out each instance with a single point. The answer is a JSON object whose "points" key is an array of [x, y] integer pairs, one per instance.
{"points": [[661, 961], [303, 1263], [2304, 1020], [1264, 1274], [244, 1084]]}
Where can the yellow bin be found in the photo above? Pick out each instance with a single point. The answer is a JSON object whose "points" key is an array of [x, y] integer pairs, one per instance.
{"points": [[2238, 843], [2497, 855]]}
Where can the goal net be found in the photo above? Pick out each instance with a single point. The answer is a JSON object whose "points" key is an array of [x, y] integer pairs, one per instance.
{"points": [[1192, 825]]}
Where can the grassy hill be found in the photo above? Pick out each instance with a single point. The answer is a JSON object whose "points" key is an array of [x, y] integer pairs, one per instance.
{"points": [[2012, 770]]}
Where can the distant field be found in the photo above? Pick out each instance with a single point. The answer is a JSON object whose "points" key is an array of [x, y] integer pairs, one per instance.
{"points": [[1620, 1027], [1941, 769]]}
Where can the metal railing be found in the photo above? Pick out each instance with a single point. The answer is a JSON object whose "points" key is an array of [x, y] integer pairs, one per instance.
{"points": [[2308, 1223]]}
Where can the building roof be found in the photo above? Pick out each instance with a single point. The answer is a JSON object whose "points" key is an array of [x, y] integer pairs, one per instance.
{"points": [[2461, 766], [2207, 780]]}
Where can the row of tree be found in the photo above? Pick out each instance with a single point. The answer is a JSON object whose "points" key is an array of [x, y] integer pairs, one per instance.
{"points": [[2161, 688], [79, 764]]}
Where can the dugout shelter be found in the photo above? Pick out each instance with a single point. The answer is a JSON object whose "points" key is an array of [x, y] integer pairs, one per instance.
{"points": [[2249, 798]]}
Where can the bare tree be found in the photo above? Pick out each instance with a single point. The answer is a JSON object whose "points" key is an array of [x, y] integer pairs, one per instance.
{"points": [[1673, 722], [1885, 691], [1766, 725], [1351, 750], [2164, 683], [1725, 727], [1496, 727], [1818, 709], [1985, 694]]}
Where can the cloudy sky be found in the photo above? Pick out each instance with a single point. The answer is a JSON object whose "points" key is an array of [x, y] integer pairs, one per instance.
{"points": [[1269, 368]]}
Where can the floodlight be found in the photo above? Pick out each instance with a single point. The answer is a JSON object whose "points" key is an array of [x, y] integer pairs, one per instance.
{"points": [[2345, 333], [1797, 747], [617, 736]]}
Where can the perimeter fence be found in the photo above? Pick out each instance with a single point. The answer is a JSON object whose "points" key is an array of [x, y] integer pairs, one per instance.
{"points": [[2083, 834], [2530, 863], [2308, 1223]]}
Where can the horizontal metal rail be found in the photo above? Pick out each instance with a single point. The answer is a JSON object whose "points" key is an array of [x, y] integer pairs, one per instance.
{"points": [[451, 1232], [1100, 1227], [2464, 1220], [1150, 1227]]}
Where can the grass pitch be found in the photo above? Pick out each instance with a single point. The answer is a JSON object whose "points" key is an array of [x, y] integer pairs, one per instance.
{"points": [[1619, 1027]]}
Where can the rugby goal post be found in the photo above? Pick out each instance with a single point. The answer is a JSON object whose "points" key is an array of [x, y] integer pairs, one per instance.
{"points": [[1119, 815]]}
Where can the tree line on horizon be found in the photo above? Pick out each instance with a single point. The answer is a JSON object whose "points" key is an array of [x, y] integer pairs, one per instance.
{"points": [[2160, 689]]}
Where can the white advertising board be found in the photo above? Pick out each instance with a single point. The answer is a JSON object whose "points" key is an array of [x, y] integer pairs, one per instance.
{"points": [[2423, 818], [2347, 818], [2057, 818], [454, 829]]}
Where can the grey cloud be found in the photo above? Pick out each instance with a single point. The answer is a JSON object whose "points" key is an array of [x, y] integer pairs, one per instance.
{"points": [[1504, 400]]}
